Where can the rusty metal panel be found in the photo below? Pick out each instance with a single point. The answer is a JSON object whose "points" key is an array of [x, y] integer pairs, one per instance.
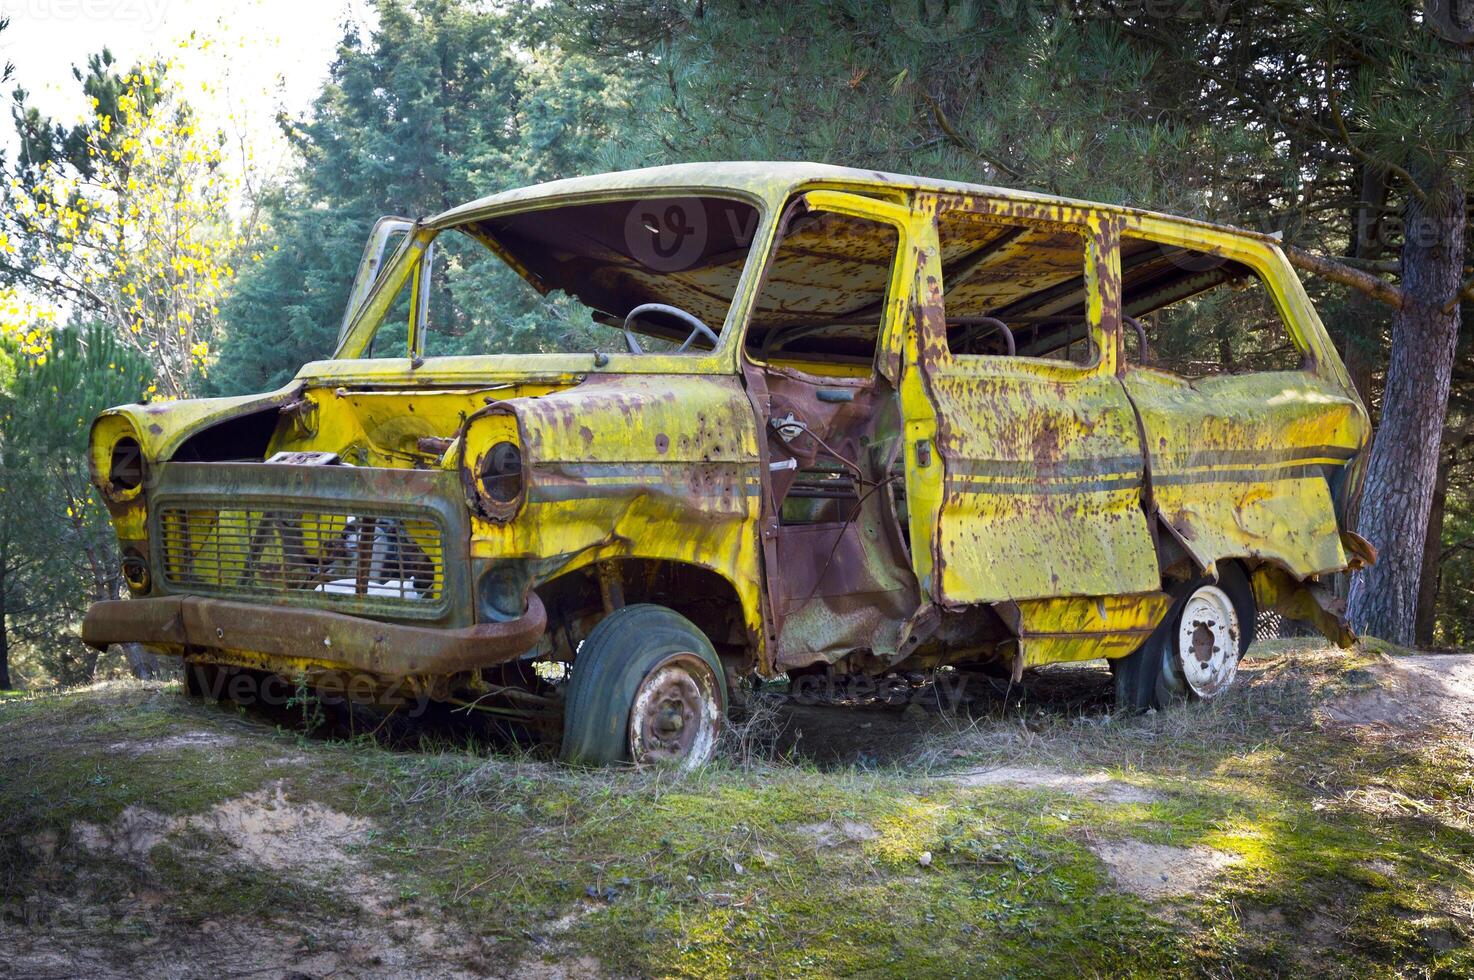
{"points": [[1239, 463], [1043, 487], [1065, 629], [1044, 468], [633, 467]]}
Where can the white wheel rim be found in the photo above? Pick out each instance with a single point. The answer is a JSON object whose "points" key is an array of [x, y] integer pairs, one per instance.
{"points": [[1208, 641], [676, 714]]}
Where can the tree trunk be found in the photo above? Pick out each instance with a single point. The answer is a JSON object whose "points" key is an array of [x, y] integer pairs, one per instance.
{"points": [[1432, 562], [4, 633], [143, 662], [1403, 467]]}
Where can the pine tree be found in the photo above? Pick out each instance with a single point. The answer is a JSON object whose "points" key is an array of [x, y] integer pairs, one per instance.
{"points": [[441, 104], [58, 552], [1318, 121]]}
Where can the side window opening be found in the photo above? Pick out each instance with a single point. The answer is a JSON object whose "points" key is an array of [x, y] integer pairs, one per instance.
{"points": [[1013, 290], [1196, 314], [392, 337], [824, 294]]}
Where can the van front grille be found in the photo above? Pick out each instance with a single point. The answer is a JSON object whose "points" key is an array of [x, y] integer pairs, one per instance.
{"points": [[350, 562]]}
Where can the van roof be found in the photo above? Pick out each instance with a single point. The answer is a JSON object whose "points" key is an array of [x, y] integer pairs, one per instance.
{"points": [[773, 180]]}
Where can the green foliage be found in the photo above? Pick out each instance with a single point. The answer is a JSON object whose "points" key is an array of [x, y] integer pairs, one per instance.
{"points": [[442, 104], [58, 552]]}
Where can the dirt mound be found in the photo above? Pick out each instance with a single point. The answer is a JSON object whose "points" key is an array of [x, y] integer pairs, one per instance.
{"points": [[262, 828], [1410, 691]]}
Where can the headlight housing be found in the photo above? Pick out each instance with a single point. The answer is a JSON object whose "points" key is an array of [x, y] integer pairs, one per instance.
{"points": [[116, 458], [493, 462], [501, 473], [125, 468]]}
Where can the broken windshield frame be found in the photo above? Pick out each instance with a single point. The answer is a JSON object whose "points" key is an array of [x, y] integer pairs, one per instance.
{"points": [[594, 264]]}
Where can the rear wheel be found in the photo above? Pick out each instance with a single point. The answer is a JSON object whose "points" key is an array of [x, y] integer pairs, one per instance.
{"points": [[1194, 652], [647, 688]]}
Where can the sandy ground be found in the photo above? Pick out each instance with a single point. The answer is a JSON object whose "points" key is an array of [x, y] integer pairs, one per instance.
{"points": [[264, 829]]}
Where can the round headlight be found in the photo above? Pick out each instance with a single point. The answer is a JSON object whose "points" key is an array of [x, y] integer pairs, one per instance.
{"points": [[501, 473], [126, 470]]}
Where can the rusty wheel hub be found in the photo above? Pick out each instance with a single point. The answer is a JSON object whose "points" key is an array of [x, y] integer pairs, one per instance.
{"points": [[1208, 641], [676, 714]]}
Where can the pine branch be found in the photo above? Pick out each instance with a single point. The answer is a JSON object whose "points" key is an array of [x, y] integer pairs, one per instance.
{"points": [[1336, 271], [962, 142]]}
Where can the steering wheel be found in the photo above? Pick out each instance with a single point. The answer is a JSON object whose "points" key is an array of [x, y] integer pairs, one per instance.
{"points": [[999, 325], [697, 327], [1143, 352]]}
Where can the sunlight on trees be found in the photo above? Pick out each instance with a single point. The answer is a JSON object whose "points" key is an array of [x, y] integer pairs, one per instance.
{"points": [[126, 218]]}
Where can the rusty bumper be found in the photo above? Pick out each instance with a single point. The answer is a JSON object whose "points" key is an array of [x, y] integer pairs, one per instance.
{"points": [[384, 649]]}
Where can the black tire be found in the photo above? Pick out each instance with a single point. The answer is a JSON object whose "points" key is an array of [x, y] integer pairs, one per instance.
{"points": [[1152, 676], [627, 650]]}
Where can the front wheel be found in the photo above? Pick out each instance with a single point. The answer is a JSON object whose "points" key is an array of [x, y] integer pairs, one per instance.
{"points": [[647, 688], [1193, 655]]}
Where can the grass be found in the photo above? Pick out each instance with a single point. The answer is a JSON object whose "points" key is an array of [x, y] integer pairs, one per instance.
{"points": [[1353, 849]]}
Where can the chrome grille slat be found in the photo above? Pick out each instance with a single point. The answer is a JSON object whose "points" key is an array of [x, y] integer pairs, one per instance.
{"points": [[350, 559]]}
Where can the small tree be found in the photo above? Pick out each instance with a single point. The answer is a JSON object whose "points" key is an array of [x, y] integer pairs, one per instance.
{"points": [[125, 218], [58, 552]]}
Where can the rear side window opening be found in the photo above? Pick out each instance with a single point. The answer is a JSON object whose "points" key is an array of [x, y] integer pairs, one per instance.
{"points": [[1012, 290], [1196, 314]]}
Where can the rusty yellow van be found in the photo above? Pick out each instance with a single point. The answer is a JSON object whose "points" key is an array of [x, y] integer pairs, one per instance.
{"points": [[766, 419]]}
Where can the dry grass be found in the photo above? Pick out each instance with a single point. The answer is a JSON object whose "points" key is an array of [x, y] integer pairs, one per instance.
{"points": [[825, 841]]}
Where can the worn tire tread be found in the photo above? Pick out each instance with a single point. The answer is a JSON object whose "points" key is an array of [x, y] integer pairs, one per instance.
{"points": [[611, 663]]}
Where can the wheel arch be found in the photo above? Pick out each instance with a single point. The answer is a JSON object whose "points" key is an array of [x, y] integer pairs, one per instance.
{"points": [[706, 595]]}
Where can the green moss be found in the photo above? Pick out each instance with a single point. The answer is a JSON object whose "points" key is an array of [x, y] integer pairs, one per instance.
{"points": [[1351, 853]]}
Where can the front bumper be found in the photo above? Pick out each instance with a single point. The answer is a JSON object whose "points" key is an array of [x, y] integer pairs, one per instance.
{"points": [[385, 649]]}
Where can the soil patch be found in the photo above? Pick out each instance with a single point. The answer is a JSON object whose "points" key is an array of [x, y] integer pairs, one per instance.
{"points": [[1098, 785], [262, 828], [1409, 692], [1156, 871]]}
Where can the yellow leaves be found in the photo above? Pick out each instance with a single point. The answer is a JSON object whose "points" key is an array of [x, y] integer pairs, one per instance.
{"points": [[150, 234], [26, 323]]}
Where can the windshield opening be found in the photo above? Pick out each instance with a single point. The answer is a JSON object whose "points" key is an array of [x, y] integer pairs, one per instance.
{"points": [[566, 279]]}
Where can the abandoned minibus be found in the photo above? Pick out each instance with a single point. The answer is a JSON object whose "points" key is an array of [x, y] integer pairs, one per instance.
{"points": [[593, 453]]}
